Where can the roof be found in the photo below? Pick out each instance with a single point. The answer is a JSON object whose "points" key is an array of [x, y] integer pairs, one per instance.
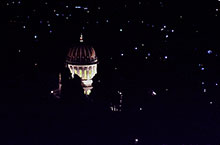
{"points": [[82, 54]]}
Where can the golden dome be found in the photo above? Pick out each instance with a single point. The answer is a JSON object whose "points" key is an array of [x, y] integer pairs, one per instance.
{"points": [[82, 54]]}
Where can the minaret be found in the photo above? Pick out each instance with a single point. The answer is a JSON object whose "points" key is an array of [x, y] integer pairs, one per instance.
{"points": [[60, 84], [81, 38], [57, 92]]}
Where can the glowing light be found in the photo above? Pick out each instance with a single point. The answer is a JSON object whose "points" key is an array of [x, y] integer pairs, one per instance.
{"points": [[154, 93], [209, 51], [80, 73], [85, 74], [77, 7]]}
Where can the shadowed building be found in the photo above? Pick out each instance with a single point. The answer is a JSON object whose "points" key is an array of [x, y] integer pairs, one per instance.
{"points": [[82, 61]]}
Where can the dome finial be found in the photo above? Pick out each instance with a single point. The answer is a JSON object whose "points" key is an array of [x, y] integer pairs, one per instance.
{"points": [[81, 38]]}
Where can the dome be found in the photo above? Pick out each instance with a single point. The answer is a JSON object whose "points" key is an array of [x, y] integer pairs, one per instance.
{"points": [[81, 54]]}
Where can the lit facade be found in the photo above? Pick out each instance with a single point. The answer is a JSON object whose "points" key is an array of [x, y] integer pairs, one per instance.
{"points": [[86, 73]]}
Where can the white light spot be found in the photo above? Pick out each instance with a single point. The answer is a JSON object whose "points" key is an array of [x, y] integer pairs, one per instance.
{"points": [[165, 57], [154, 93], [202, 68], [77, 7], [209, 51], [211, 103], [122, 54], [35, 36], [120, 30], [204, 90], [51, 92]]}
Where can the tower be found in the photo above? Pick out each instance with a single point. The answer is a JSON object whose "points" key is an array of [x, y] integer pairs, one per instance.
{"points": [[82, 61]]}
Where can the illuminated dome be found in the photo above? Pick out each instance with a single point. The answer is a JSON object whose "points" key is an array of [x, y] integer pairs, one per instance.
{"points": [[81, 54], [82, 61]]}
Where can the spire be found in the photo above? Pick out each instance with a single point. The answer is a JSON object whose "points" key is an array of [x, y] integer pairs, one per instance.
{"points": [[81, 38]]}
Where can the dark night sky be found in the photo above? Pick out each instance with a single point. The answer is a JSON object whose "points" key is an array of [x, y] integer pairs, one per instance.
{"points": [[144, 47]]}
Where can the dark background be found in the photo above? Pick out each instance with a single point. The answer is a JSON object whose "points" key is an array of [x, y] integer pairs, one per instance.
{"points": [[29, 114]]}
